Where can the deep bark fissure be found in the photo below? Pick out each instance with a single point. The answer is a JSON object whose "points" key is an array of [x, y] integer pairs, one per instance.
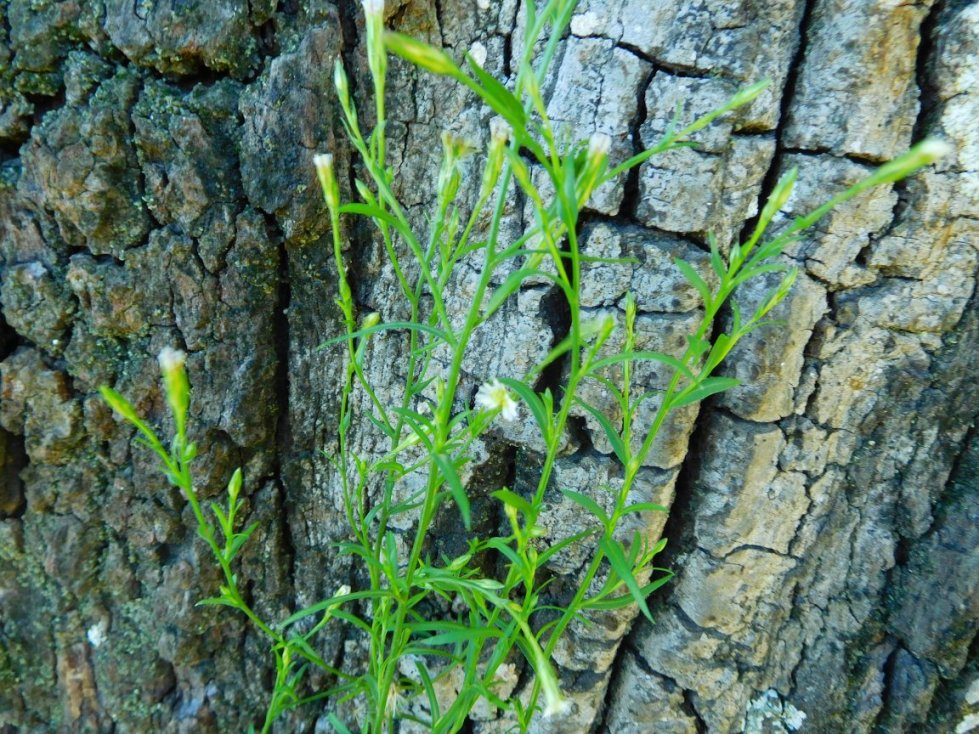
{"points": [[283, 429], [785, 103]]}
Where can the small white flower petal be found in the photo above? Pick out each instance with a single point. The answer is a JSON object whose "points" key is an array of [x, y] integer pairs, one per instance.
{"points": [[493, 395]]}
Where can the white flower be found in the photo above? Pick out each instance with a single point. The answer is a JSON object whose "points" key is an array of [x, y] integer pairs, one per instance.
{"points": [[493, 395], [171, 360]]}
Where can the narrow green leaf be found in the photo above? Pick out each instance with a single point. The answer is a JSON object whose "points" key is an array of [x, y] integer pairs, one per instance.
{"points": [[222, 519], [618, 602], [644, 507], [499, 98], [697, 345], [338, 725], [708, 387], [716, 262], [327, 603], [753, 272], [509, 286], [735, 316], [426, 679], [352, 619], [241, 538], [421, 54], [647, 357], [458, 492], [607, 260], [587, 503], [695, 280], [389, 326], [371, 211], [560, 546], [719, 350], [542, 417], [618, 445], [119, 404], [616, 557], [507, 497], [504, 548]]}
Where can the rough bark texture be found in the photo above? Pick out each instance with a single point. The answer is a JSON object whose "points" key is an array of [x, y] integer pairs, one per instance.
{"points": [[157, 189]]}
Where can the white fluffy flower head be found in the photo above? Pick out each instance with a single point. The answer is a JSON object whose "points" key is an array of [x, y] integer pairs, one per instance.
{"points": [[171, 359], [493, 395]]}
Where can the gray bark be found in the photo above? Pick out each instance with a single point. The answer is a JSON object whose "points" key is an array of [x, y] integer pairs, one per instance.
{"points": [[157, 189]]}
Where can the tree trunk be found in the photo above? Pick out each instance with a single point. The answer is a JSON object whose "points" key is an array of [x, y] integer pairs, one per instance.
{"points": [[158, 190]]}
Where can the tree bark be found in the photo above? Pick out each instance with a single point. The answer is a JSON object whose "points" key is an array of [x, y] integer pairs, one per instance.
{"points": [[157, 189]]}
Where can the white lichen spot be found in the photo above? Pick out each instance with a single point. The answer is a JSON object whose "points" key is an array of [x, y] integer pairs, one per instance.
{"points": [[588, 23], [794, 718], [972, 694], [96, 634], [478, 52], [768, 714], [483, 4], [969, 723]]}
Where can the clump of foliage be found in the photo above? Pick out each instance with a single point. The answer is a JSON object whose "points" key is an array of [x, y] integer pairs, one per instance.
{"points": [[431, 430]]}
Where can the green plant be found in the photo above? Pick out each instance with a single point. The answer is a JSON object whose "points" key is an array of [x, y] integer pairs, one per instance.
{"points": [[508, 615]]}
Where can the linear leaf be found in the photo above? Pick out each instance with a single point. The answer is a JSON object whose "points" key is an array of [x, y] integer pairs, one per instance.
{"points": [[715, 257], [616, 557], [587, 503], [512, 498], [426, 679], [338, 725], [510, 285], [618, 446], [708, 387], [644, 507], [499, 97], [647, 357], [534, 404], [560, 546], [327, 603], [695, 280], [389, 326], [458, 492], [617, 602]]}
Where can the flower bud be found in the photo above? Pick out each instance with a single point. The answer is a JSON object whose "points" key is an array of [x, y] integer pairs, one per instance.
{"points": [[373, 7], [172, 366], [340, 82], [421, 54], [598, 147], [328, 181]]}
